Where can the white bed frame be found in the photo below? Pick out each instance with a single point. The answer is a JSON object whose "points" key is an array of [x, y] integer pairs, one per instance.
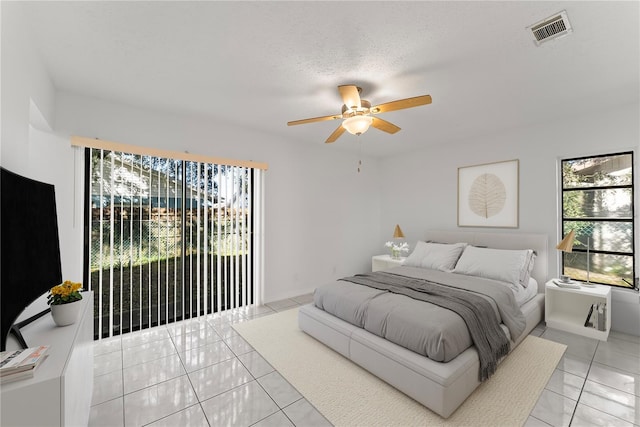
{"points": [[441, 387]]}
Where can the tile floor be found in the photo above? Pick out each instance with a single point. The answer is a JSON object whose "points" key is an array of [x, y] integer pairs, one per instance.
{"points": [[202, 373]]}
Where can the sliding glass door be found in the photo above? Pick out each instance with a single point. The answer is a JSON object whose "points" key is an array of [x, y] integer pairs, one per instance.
{"points": [[166, 239]]}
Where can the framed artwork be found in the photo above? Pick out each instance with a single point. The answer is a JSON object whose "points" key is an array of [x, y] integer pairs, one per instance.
{"points": [[488, 195]]}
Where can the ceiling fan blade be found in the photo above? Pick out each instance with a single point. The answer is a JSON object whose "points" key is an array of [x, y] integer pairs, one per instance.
{"points": [[350, 96], [384, 125], [402, 104], [312, 120], [335, 135]]}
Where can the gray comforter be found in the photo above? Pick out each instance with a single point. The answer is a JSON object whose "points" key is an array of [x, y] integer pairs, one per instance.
{"points": [[427, 329]]}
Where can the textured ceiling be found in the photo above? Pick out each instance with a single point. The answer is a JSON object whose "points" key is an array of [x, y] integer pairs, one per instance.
{"points": [[261, 64]]}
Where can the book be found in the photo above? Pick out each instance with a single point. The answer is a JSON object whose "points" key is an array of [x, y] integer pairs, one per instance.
{"points": [[601, 317], [19, 375], [587, 322], [15, 361]]}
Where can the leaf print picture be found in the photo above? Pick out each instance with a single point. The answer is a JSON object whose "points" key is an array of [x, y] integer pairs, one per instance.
{"points": [[488, 195]]}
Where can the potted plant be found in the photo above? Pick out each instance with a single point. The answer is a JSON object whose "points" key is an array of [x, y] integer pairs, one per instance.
{"points": [[64, 300], [397, 249]]}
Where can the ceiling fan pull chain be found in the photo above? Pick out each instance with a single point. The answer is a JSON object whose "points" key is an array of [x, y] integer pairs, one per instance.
{"points": [[359, 154]]}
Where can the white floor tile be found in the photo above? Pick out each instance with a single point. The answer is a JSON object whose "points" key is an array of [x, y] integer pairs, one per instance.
{"points": [[279, 419], [625, 337], [577, 345], [147, 352], [304, 299], [193, 416], [210, 354], [144, 336], [279, 389], [196, 339], [566, 384], [256, 364], [586, 416], [107, 345], [282, 304], [108, 362], [187, 326], [241, 406], [574, 365], [156, 371], [107, 414], [213, 380], [615, 378], [554, 409], [107, 387], [624, 361], [225, 330], [611, 401], [238, 345], [158, 401], [618, 345], [302, 413], [534, 422], [256, 310]]}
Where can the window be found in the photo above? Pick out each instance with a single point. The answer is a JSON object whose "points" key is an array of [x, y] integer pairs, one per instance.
{"points": [[166, 239], [597, 204]]}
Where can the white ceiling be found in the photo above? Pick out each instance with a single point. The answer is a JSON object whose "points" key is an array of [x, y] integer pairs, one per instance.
{"points": [[261, 64]]}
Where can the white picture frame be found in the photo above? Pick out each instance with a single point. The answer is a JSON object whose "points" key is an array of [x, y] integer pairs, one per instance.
{"points": [[488, 195]]}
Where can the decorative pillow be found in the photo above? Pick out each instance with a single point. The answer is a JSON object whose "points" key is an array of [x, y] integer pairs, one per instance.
{"points": [[436, 256], [511, 266]]}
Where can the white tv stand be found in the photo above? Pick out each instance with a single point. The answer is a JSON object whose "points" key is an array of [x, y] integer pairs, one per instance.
{"points": [[60, 392]]}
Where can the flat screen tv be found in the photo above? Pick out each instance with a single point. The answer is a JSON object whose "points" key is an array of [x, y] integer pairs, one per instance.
{"points": [[30, 250]]}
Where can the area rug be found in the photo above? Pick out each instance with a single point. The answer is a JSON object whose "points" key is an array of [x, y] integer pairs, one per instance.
{"points": [[347, 395]]}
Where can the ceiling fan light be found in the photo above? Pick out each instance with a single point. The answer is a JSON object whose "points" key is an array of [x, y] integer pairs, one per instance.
{"points": [[357, 125]]}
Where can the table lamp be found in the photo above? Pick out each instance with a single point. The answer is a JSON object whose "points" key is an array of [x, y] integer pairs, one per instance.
{"points": [[566, 245]]}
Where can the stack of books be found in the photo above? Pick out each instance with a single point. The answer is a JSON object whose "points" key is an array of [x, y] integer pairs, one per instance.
{"points": [[21, 364], [597, 317]]}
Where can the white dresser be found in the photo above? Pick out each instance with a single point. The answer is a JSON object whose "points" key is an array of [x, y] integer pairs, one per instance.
{"points": [[60, 392]]}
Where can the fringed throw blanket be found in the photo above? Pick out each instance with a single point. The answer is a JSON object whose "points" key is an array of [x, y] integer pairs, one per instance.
{"points": [[489, 339]]}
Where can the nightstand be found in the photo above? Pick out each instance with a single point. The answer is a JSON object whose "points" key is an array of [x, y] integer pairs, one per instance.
{"points": [[567, 309], [384, 262]]}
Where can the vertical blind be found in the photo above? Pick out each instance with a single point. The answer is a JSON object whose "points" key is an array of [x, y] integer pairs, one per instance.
{"points": [[169, 239]]}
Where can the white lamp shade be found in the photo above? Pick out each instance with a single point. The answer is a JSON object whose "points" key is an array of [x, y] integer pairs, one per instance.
{"points": [[357, 124]]}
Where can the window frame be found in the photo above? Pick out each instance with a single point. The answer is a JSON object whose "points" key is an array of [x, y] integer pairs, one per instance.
{"points": [[563, 219]]}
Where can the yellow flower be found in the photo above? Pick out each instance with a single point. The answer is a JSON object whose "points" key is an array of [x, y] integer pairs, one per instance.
{"points": [[65, 293]]}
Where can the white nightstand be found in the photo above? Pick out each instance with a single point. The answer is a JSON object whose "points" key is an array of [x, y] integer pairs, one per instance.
{"points": [[567, 309], [384, 262]]}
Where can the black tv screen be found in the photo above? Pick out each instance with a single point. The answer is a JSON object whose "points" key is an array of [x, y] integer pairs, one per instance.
{"points": [[30, 250]]}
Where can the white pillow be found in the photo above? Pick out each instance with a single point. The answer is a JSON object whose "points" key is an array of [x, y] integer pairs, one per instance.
{"points": [[511, 266], [436, 256]]}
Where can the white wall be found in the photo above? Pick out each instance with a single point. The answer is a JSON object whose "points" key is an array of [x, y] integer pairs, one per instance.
{"points": [[322, 217], [428, 182]]}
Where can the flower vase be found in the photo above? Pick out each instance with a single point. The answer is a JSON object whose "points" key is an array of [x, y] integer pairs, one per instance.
{"points": [[66, 314], [395, 254]]}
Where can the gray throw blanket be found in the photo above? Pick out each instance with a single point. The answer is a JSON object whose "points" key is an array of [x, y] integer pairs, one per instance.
{"points": [[489, 339]]}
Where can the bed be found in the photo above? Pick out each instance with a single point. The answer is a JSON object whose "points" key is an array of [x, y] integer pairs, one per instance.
{"points": [[439, 373]]}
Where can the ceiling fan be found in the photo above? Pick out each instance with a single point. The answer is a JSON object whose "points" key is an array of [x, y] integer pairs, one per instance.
{"points": [[358, 114]]}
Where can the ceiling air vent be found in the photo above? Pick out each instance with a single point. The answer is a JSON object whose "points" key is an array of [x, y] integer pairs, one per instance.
{"points": [[551, 28]]}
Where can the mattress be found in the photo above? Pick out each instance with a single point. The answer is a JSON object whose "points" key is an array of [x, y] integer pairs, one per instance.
{"points": [[425, 328]]}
